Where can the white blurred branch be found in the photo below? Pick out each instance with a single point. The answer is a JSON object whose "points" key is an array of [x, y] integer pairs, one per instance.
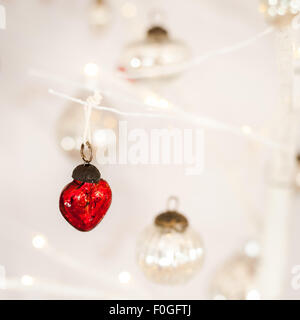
{"points": [[192, 118]]}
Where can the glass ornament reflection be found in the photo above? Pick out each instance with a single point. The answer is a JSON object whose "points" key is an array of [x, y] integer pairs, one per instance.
{"points": [[169, 251], [150, 57], [279, 12], [70, 128]]}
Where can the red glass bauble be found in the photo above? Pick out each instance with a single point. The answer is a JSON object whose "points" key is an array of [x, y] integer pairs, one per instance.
{"points": [[84, 204]]}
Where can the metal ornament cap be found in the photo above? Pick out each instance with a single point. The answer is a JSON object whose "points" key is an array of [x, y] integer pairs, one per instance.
{"points": [[157, 33], [86, 173], [172, 220]]}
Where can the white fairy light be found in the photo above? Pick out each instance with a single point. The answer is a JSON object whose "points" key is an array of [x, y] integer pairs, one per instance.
{"points": [[281, 7], [151, 100], [246, 129], [39, 241], [163, 103], [135, 62], [27, 280], [91, 69], [252, 249], [124, 277]]}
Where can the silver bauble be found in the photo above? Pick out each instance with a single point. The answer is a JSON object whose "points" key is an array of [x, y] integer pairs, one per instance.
{"points": [[142, 59], [169, 251]]}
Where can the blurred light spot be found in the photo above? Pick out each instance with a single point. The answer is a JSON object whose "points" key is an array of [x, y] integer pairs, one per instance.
{"points": [[155, 101], [135, 62], [164, 262], [38, 241], [163, 103], [124, 277], [252, 249], [91, 69], [193, 254], [27, 280], [253, 295], [150, 259], [67, 143], [151, 101], [200, 251], [246, 129], [129, 10]]}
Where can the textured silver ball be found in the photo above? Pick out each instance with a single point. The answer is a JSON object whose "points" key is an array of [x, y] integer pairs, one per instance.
{"points": [[170, 252]]}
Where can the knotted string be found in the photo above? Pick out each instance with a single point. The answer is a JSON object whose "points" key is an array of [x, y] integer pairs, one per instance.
{"points": [[91, 102]]}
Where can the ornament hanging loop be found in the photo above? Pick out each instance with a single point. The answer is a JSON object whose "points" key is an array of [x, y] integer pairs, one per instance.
{"points": [[84, 157], [172, 203]]}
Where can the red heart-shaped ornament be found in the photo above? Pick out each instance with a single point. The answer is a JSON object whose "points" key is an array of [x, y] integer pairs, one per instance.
{"points": [[84, 204]]}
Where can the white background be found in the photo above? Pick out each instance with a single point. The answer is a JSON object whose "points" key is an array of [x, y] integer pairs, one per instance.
{"points": [[240, 88]]}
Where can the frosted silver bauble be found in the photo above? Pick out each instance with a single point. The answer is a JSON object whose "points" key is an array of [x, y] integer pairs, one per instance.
{"points": [[235, 280], [169, 251], [70, 127], [142, 59], [279, 12]]}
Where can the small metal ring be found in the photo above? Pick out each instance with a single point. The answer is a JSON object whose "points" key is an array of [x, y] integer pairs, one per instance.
{"points": [[83, 156], [175, 201]]}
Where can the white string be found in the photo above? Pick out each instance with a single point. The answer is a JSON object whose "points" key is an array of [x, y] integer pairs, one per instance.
{"points": [[91, 102], [110, 109], [108, 93], [173, 69], [178, 114]]}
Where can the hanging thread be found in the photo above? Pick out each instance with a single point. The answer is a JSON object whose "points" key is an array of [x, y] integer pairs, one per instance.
{"points": [[91, 102]]}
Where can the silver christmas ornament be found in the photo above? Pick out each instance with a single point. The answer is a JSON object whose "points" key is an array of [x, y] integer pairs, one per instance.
{"points": [[169, 251], [145, 59]]}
